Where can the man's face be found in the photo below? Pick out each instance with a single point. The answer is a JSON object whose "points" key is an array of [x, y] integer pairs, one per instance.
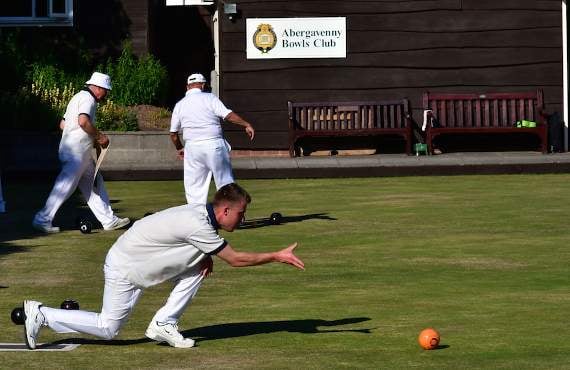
{"points": [[233, 215], [100, 93]]}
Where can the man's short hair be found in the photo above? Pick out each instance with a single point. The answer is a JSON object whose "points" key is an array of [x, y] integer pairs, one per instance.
{"points": [[231, 193]]}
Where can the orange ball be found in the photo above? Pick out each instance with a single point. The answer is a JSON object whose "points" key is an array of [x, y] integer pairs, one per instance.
{"points": [[429, 338]]}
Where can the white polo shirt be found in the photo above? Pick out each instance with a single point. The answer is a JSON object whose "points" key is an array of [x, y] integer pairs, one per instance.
{"points": [[166, 244], [198, 114], [74, 139]]}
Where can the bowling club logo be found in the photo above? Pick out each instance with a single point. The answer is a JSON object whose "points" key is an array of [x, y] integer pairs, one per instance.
{"points": [[264, 38]]}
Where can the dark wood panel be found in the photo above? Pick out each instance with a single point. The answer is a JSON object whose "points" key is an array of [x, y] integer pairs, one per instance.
{"points": [[553, 5], [333, 8], [374, 41], [432, 21], [370, 78], [449, 58], [276, 100]]}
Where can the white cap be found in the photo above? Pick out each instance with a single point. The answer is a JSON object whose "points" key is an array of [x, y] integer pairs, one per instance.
{"points": [[196, 78], [100, 79]]}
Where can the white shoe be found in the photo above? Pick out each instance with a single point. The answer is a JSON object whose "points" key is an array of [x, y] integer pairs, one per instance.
{"points": [[119, 223], [33, 322], [165, 332], [45, 227]]}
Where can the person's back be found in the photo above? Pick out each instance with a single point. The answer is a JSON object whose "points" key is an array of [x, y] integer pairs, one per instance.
{"points": [[200, 114], [74, 138]]}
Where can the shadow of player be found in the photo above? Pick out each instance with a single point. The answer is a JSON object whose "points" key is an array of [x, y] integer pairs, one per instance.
{"points": [[266, 221], [235, 330]]}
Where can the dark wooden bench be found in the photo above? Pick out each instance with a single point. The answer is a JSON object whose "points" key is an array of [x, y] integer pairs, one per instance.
{"points": [[489, 113], [348, 119]]}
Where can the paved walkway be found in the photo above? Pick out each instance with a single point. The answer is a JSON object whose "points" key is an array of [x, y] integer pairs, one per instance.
{"points": [[369, 166]]}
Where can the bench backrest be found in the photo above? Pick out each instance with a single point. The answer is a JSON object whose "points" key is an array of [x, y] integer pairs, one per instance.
{"points": [[338, 116], [485, 110]]}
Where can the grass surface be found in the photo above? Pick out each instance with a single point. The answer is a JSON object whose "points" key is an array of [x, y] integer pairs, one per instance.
{"points": [[483, 259]]}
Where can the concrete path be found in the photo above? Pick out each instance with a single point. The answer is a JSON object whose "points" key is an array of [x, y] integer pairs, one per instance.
{"points": [[364, 166]]}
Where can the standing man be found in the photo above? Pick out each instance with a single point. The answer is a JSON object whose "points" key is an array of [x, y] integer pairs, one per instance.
{"points": [[75, 154], [175, 244], [205, 151]]}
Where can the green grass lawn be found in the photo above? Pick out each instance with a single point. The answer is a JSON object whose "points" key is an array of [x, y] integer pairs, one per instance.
{"points": [[483, 259]]}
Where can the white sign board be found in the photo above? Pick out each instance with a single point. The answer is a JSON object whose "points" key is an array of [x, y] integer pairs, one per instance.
{"points": [[273, 38]]}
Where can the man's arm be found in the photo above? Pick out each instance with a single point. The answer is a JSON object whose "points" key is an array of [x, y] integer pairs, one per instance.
{"points": [[242, 259], [91, 130], [177, 144], [236, 119]]}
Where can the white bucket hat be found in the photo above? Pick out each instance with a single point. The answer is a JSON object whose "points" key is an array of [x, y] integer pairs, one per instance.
{"points": [[196, 78], [100, 79]]}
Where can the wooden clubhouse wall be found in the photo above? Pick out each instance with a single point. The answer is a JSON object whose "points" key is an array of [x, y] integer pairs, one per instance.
{"points": [[395, 49]]}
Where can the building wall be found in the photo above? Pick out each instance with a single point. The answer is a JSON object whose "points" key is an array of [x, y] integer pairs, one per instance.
{"points": [[394, 50]]}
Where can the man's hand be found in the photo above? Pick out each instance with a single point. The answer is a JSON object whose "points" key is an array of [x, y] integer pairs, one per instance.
{"points": [[102, 140], [180, 154], [250, 131], [286, 256], [207, 267]]}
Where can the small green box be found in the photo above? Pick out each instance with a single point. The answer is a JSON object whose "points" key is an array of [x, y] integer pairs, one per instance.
{"points": [[421, 148]]}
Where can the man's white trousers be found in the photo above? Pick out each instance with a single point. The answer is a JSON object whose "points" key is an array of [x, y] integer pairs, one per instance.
{"points": [[119, 299], [78, 171], [202, 160]]}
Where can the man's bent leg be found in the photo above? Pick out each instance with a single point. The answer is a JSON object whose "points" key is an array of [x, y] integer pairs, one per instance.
{"points": [[119, 299], [164, 327], [184, 290]]}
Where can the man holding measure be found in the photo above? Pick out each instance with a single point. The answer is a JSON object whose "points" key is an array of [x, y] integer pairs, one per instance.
{"points": [[77, 165], [172, 245]]}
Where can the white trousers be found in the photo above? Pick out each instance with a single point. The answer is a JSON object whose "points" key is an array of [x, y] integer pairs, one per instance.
{"points": [[2, 203], [202, 160], [78, 171], [119, 299]]}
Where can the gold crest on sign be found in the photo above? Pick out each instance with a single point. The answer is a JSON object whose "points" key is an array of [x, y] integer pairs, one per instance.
{"points": [[264, 38]]}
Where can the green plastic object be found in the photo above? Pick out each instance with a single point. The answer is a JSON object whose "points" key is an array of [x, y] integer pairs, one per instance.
{"points": [[526, 124], [420, 148]]}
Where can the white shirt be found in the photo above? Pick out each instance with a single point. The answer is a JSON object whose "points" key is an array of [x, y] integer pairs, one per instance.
{"points": [[166, 244], [198, 114], [74, 139]]}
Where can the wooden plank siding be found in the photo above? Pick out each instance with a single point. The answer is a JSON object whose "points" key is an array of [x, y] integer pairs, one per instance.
{"points": [[395, 50]]}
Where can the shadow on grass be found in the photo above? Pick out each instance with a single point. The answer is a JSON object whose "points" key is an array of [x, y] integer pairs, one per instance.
{"points": [[266, 221], [242, 329]]}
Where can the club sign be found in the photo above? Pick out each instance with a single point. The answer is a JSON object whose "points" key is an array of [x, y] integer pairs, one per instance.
{"points": [[274, 38]]}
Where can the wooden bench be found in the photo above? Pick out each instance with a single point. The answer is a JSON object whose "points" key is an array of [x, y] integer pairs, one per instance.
{"points": [[489, 113], [348, 119]]}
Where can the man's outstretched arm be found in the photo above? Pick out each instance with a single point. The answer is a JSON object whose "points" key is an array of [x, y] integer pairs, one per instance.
{"points": [[243, 259]]}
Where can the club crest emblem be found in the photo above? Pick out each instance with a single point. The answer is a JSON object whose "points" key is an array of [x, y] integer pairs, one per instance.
{"points": [[264, 38]]}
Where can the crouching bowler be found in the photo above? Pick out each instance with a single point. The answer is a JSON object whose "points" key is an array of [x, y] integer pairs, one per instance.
{"points": [[175, 244]]}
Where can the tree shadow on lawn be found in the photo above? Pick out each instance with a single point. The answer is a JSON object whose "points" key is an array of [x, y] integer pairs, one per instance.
{"points": [[242, 329], [266, 221]]}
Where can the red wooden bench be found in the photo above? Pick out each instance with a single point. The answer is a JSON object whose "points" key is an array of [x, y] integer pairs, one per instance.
{"points": [[488, 113], [348, 119]]}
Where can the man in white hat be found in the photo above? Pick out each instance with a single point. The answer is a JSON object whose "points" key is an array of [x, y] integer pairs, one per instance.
{"points": [[205, 152], [77, 164]]}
